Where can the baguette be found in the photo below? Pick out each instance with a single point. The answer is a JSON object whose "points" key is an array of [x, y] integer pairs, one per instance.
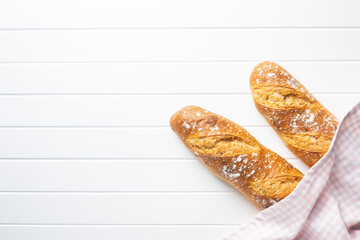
{"points": [[235, 156], [304, 125]]}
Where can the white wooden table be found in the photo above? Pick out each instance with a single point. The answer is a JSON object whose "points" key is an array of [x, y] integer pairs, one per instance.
{"points": [[87, 89]]}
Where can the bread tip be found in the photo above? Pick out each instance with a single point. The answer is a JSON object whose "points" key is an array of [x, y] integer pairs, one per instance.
{"points": [[265, 63], [265, 66], [179, 113]]}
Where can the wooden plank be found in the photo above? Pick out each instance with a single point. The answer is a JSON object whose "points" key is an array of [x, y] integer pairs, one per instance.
{"points": [[187, 13], [138, 110], [179, 45], [98, 143], [111, 175], [132, 232], [151, 78], [121, 208]]}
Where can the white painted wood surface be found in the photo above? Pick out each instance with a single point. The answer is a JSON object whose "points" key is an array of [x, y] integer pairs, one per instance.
{"points": [[178, 45], [136, 110], [179, 14], [87, 89], [166, 77]]}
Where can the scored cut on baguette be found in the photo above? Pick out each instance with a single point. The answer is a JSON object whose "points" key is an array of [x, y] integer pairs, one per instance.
{"points": [[235, 156], [304, 125]]}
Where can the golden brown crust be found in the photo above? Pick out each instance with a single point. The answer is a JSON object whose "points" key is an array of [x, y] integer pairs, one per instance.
{"points": [[304, 125], [235, 156]]}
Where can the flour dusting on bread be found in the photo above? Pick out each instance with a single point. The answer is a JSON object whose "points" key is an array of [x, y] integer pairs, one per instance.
{"points": [[235, 156], [305, 126]]}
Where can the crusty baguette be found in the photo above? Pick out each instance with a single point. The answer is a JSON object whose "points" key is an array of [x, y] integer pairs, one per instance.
{"points": [[235, 156], [303, 124]]}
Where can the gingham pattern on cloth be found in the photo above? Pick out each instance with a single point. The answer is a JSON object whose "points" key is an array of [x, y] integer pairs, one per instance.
{"points": [[326, 203]]}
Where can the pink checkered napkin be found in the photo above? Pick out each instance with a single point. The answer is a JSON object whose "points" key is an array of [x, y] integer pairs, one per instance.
{"points": [[326, 203]]}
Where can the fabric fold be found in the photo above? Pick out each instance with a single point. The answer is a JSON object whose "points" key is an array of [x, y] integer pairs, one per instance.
{"points": [[326, 203]]}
